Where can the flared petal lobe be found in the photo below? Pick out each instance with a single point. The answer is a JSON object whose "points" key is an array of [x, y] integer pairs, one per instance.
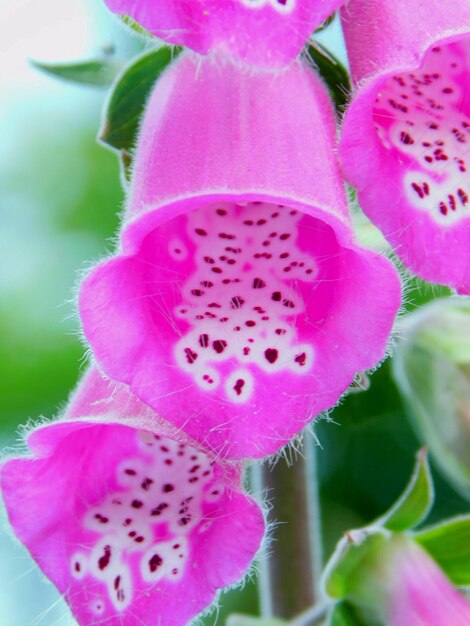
{"points": [[421, 595], [133, 527], [264, 33], [240, 305], [406, 135]]}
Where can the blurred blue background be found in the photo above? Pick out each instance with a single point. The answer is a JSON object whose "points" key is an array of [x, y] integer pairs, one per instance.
{"points": [[60, 194]]}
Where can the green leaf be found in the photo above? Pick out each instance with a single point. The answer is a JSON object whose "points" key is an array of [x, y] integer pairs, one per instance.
{"points": [[127, 100], [414, 504], [96, 73], [249, 620], [449, 545], [333, 72]]}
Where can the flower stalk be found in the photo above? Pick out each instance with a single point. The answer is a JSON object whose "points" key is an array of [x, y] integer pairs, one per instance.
{"points": [[289, 574]]}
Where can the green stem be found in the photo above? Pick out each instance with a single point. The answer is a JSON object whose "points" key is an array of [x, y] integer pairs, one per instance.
{"points": [[290, 570]]}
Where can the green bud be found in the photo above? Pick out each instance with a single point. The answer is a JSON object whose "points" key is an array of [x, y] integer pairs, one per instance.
{"points": [[432, 369]]}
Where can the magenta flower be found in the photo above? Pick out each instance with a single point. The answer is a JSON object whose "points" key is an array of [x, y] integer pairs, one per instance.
{"points": [[239, 306], [406, 135], [129, 523], [420, 594], [261, 32]]}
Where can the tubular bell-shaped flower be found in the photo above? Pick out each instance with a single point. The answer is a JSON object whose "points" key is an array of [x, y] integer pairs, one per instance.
{"points": [[239, 306], [419, 593], [262, 32], [132, 525], [406, 135]]}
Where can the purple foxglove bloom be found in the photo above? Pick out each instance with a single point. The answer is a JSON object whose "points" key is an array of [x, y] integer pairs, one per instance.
{"points": [[406, 135], [261, 32], [420, 594], [132, 525], [239, 305]]}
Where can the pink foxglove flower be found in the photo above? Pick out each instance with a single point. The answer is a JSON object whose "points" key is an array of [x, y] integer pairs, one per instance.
{"points": [[420, 594], [133, 526], [239, 306], [406, 136], [262, 32]]}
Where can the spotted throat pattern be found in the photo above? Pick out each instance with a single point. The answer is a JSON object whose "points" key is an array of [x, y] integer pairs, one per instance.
{"points": [[143, 528], [241, 302], [425, 116]]}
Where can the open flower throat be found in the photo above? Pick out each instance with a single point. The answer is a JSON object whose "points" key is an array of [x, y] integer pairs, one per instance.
{"points": [[143, 527], [242, 299], [424, 116]]}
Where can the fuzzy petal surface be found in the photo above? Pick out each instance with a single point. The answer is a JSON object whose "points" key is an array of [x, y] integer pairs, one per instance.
{"points": [[266, 33], [406, 135], [421, 595], [133, 527], [239, 306]]}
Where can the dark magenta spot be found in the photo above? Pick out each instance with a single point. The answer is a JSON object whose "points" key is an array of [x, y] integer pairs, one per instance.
{"points": [[158, 509], [219, 345], [204, 340], [191, 356], [104, 560], [238, 386], [155, 562], [258, 283], [146, 484], [236, 302], [271, 355]]}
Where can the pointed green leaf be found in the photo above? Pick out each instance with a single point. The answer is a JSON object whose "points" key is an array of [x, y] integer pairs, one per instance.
{"points": [[249, 620], [333, 72], [96, 73], [413, 505], [449, 545], [127, 100]]}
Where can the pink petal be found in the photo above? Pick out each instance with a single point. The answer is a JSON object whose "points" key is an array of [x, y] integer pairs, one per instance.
{"points": [[421, 595], [406, 135], [130, 525], [261, 32], [240, 306]]}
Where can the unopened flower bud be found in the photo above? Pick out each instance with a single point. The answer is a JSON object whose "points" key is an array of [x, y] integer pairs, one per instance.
{"points": [[432, 369]]}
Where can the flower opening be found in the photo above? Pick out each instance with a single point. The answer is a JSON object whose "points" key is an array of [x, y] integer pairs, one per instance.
{"points": [[125, 519], [407, 131]]}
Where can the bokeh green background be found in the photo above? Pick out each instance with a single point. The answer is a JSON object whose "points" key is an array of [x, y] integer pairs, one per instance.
{"points": [[60, 196]]}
